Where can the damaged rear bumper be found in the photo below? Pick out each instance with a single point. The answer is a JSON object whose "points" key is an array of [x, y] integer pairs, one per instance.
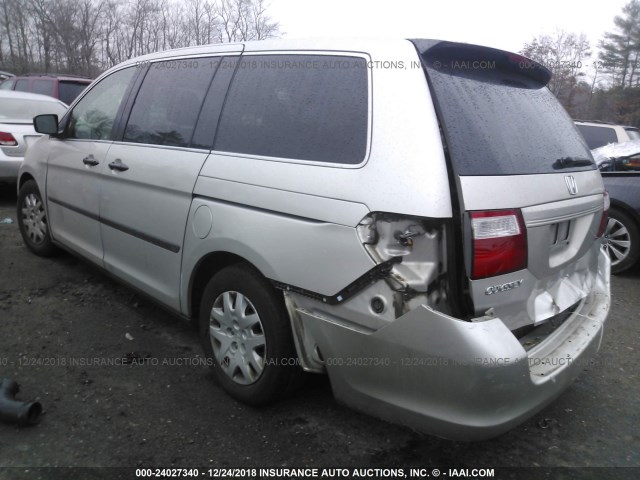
{"points": [[453, 378]]}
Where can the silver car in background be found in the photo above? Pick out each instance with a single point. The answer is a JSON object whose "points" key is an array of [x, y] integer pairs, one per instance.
{"points": [[418, 219], [17, 110]]}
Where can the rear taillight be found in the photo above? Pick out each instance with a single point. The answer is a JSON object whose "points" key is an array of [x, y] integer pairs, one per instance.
{"points": [[7, 140], [605, 215], [499, 243]]}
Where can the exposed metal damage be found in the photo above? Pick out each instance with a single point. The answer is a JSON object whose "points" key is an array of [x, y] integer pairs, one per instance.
{"points": [[410, 271]]}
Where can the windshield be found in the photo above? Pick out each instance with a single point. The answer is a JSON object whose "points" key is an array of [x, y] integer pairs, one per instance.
{"points": [[21, 109], [499, 118], [618, 152]]}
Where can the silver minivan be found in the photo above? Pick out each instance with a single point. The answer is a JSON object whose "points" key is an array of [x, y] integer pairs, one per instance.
{"points": [[418, 219]]}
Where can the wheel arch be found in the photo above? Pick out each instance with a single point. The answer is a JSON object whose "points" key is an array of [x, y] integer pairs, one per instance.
{"points": [[206, 268], [24, 178], [627, 209]]}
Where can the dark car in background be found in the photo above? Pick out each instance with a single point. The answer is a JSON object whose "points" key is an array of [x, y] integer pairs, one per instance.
{"points": [[619, 165], [63, 87]]}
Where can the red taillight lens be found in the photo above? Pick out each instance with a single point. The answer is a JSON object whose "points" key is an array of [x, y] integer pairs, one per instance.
{"points": [[605, 215], [499, 243], [7, 140]]}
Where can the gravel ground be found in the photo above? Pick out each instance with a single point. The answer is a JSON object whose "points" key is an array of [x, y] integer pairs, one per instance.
{"points": [[166, 411]]}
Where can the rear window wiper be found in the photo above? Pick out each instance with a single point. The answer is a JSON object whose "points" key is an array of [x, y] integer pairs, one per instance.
{"points": [[568, 162]]}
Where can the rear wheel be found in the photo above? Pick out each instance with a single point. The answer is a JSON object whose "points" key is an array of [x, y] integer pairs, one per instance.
{"points": [[32, 220], [621, 241], [246, 335]]}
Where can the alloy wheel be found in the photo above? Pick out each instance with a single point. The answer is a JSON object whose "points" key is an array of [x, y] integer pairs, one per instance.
{"points": [[617, 241]]}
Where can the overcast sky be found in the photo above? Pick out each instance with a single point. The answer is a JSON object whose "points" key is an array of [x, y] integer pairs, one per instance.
{"points": [[495, 23]]}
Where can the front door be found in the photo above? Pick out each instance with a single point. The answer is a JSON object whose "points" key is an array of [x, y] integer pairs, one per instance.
{"points": [[75, 162]]}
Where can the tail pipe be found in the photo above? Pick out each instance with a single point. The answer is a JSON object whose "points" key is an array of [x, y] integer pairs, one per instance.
{"points": [[15, 411]]}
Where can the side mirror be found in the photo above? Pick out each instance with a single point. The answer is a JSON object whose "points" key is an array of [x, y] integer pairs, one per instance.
{"points": [[46, 124]]}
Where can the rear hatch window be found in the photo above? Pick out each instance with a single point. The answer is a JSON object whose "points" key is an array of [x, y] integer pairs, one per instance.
{"points": [[68, 91], [597, 136], [527, 189], [498, 115]]}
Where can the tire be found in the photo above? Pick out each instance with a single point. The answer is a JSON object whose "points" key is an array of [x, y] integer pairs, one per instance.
{"points": [[32, 220], [621, 241], [246, 335]]}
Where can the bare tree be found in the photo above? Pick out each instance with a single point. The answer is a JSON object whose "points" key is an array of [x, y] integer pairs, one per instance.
{"points": [[7, 31], [88, 36], [565, 54], [90, 16], [263, 26]]}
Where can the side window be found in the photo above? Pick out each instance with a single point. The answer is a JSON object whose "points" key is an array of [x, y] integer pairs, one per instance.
{"points": [[633, 133], [22, 85], [631, 164], [212, 106], [621, 164], [597, 137], [7, 85], [306, 107], [93, 117], [43, 87], [169, 102]]}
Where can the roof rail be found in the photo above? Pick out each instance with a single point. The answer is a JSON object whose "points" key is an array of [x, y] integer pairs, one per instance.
{"points": [[594, 121], [69, 75]]}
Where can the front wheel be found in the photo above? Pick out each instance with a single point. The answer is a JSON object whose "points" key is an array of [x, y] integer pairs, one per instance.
{"points": [[32, 220], [621, 241], [246, 335]]}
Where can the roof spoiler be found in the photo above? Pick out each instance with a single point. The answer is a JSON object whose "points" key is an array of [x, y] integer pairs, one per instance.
{"points": [[448, 56]]}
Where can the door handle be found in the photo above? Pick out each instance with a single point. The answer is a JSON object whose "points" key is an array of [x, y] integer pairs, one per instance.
{"points": [[90, 160], [118, 165]]}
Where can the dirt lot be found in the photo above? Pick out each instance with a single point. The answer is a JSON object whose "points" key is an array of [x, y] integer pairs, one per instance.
{"points": [[168, 414]]}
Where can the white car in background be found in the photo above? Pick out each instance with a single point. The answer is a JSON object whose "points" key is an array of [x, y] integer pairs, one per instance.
{"points": [[598, 134], [17, 110]]}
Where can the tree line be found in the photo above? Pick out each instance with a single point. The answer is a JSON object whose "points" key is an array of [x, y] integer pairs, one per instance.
{"points": [[603, 86], [85, 37]]}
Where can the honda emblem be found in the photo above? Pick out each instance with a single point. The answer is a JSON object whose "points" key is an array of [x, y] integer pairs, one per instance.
{"points": [[572, 186]]}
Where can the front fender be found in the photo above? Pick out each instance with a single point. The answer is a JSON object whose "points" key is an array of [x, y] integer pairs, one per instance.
{"points": [[35, 164]]}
